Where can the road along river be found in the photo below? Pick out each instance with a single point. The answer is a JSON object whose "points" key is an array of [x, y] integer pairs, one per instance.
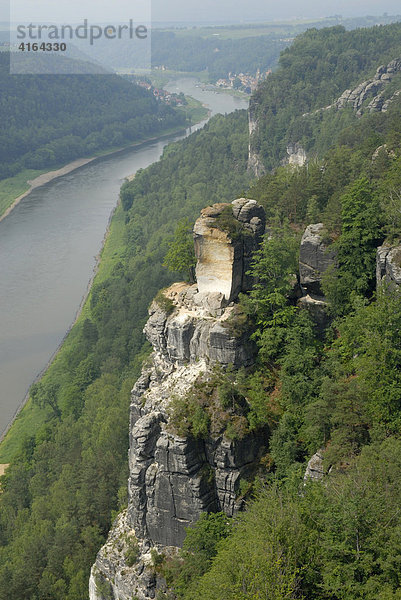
{"points": [[48, 249]]}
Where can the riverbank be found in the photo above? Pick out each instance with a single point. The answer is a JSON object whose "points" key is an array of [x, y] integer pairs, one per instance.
{"points": [[195, 110], [41, 180]]}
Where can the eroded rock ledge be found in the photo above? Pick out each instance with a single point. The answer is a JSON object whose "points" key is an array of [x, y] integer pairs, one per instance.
{"points": [[173, 479]]}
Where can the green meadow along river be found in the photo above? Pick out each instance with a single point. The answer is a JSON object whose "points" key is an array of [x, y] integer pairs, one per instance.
{"points": [[48, 249]]}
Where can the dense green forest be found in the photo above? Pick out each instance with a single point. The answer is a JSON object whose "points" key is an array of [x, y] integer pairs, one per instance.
{"points": [[314, 71], [49, 120], [62, 490], [337, 390]]}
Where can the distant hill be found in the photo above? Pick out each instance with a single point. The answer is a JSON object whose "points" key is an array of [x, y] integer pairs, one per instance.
{"points": [[236, 48], [46, 120]]}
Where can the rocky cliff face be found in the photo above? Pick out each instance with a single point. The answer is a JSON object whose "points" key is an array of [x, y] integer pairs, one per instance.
{"points": [[315, 257], [296, 155], [388, 265], [174, 478], [315, 468], [255, 164], [372, 88]]}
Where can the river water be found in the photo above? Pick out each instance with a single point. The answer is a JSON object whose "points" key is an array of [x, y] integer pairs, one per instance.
{"points": [[48, 246]]}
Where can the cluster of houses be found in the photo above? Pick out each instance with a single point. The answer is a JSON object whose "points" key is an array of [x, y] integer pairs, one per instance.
{"points": [[163, 95], [243, 81]]}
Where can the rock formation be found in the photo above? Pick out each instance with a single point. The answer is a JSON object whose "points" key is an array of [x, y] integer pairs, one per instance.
{"points": [[225, 236], [175, 476], [255, 164], [315, 469], [372, 88], [296, 155], [315, 257], [388, 265]]}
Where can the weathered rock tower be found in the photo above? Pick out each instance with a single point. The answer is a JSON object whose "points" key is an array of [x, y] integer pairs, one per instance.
{"points": [[174, 479]]}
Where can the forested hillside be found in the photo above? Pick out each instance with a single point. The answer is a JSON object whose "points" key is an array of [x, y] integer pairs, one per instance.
{"points": [[61, 492], [218, 56], [334, 391], [328, 386], [314, 71], [49, 120], [235, 48]]}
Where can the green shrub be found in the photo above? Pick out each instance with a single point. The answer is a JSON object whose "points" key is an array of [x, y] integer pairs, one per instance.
{"points": [[132, 552], [166, 304], [228, 223]]}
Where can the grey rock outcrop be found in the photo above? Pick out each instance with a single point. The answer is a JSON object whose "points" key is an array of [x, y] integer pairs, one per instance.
{"points": [[317, 308], [174, 479], [297, 156], [388, 265], [315, 470], [315, 258], [255, 164], [371, 88], [382, 150], [113, 576], [193, 331]]}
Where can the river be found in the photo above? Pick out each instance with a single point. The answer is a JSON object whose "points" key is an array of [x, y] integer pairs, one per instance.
{"points": [[48, 248]]}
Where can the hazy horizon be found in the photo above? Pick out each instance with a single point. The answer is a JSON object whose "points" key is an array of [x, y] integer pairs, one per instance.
{"points": [[191, 11], [209, 10]]}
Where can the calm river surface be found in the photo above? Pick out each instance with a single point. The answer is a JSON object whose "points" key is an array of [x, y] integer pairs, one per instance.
{"points": [[48, 246]]}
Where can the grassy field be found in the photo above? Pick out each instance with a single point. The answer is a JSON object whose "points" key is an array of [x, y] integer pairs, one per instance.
{"points": [[194, 110], [30, 419], [13, 187]]}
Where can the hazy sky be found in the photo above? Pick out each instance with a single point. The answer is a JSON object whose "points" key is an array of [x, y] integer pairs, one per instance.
{"points": [[207, 10], [196, 10]]}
